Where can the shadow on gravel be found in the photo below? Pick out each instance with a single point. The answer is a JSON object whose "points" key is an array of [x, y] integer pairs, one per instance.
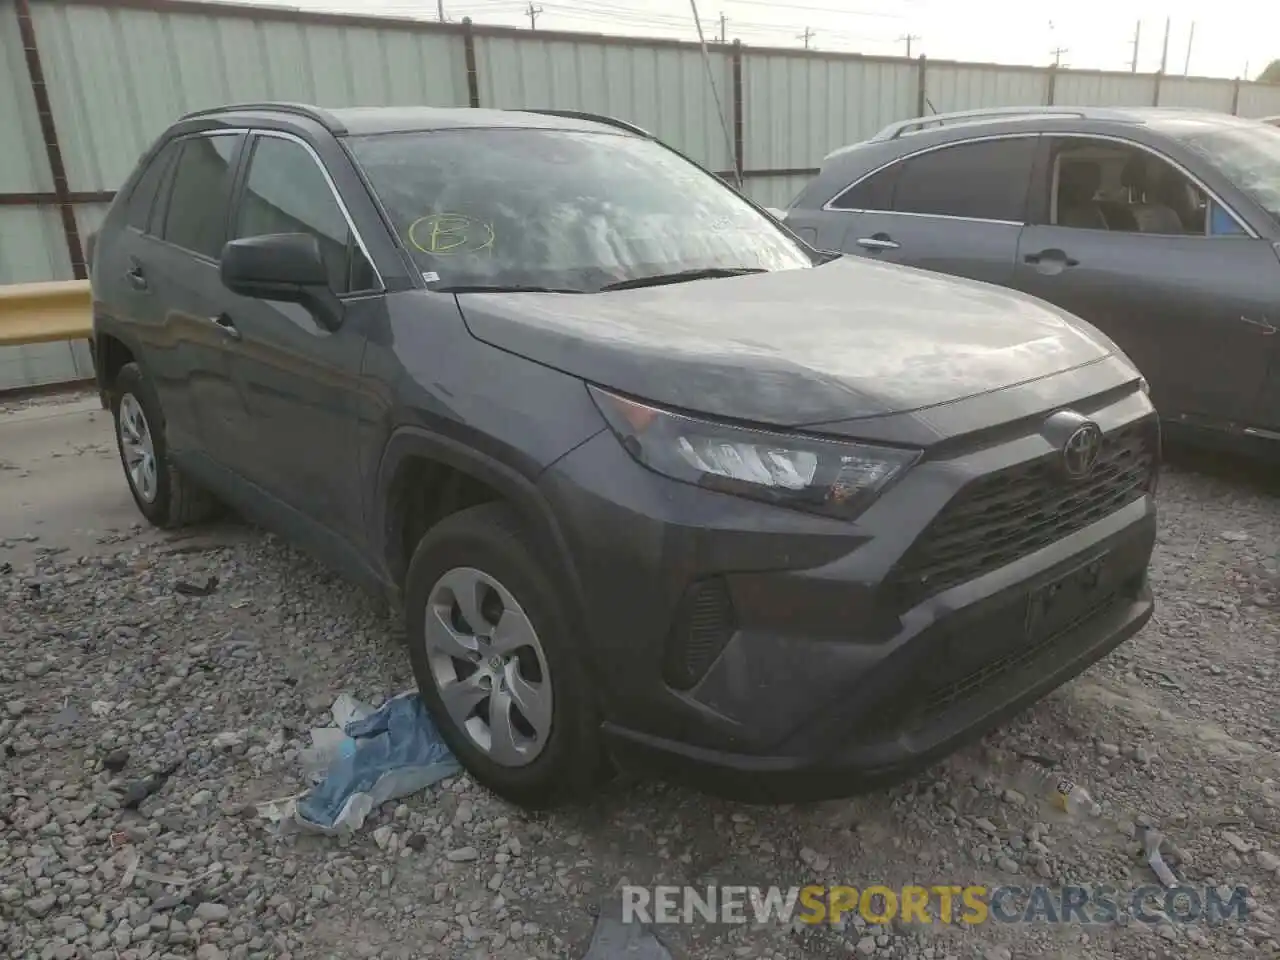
{"points": [[1261, 474]]}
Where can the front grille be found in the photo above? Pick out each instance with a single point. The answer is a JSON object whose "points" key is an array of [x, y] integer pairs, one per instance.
{"points": [[1007, 515], [703, 625]]}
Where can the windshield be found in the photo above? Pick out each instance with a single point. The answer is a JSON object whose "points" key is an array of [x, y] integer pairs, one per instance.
{"points": [[522, 208], [1249, 157]]}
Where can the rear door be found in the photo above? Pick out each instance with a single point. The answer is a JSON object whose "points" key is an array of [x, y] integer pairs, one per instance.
{"points": [[956, 209], [1194, 308], [174, 272]]}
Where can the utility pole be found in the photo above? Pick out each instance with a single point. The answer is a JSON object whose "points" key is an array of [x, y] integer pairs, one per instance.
{"points": [[806, 37], [722, 23], [1186, 67], [1057, 55], [1137, 39], [1164, 54], [533, 16], [440, 10], [908, 37]]}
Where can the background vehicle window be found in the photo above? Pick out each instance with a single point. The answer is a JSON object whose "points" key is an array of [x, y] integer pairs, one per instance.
{"points": [[873, 193], [987, 180], [1248, 156], [562, 209], [287, 192], [196, 213], [1103, 185], [144, 192]]}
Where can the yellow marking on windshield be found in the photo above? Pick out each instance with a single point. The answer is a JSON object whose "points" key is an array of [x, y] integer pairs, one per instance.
{"points": [[450, 234]]}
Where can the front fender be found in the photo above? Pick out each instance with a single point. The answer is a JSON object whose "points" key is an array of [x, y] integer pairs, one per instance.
{"points": [[519, 490]]}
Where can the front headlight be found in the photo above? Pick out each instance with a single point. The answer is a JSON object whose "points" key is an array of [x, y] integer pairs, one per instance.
{"points": [[805, 473]]}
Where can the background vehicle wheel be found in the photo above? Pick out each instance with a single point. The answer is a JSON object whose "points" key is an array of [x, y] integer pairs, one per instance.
{"points": [[166, 497], [495, 663]]}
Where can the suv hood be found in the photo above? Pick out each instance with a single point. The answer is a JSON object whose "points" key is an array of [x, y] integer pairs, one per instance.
{"points": [[844, 340]]}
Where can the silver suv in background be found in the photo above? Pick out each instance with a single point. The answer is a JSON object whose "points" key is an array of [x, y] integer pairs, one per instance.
{"points": [[1158, 226]]}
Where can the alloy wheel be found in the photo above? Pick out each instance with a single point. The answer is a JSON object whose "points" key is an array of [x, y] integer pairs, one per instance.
{"points": [[488, 666], [138, 448]]}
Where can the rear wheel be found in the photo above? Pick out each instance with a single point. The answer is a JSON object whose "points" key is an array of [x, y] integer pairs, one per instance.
{"points": [[166, 497], [495, 661]]}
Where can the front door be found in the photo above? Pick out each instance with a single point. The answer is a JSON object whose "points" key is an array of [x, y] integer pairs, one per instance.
{"points": [[1170, 275], [957, 209], [300, 379]]}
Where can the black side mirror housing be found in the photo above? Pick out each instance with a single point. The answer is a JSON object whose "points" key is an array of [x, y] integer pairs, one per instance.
{"points": [[281, 266]]}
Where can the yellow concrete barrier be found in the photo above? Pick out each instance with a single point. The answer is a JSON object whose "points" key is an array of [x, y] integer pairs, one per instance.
{"points": [[44, 312]]}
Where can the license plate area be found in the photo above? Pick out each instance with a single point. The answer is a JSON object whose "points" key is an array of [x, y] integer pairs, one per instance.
{"points": [[1070, 598]]}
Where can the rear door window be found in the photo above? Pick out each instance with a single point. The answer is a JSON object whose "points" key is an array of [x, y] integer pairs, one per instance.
{"points": [[144, 192], [196, 214], [982, 180]]}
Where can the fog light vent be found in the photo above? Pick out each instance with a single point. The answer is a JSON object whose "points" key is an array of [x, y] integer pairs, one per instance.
{"points": [[703, 625]]}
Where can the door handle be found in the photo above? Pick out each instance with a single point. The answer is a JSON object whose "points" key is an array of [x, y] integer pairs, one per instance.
{"points": [[1051, 258], [137, 279], [223, 322], [880, 241]]}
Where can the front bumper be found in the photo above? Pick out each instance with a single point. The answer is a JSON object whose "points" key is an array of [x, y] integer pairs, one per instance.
{"points": [[831, 680]]}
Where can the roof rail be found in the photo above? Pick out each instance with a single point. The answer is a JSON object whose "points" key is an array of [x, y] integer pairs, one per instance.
{"points": [[322, 117], [895, 130], [596, 118]]}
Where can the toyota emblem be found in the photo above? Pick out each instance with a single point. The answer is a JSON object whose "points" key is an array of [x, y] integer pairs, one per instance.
{"points": [[1081, 450]]}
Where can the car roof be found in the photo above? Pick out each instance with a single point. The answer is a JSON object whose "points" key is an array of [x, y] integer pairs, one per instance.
{"points": [[945, 127], [362, 121]]}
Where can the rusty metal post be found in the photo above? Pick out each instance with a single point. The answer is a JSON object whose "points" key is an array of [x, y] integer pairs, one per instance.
{"points": [[739, 149], [469, 54], [48, 130], [922, 96]]}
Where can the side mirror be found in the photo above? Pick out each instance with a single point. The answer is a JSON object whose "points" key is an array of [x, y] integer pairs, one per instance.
{"points": [[281, 266]]}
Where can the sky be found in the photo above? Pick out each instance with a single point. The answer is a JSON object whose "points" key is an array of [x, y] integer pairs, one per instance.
{"points": [[1230, 36]]}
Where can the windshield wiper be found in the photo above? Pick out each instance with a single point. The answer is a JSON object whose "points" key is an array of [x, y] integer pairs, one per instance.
{"points": [[501, 288], [681, 276]]}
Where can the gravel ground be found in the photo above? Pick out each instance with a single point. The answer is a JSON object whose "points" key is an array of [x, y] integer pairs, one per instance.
{"points": [[139, 726]]}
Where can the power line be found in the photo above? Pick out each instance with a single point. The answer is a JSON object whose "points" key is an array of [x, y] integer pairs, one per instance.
{"points": [[1186, 69], [1164, 55], [908, 37], [1137, 39], [806, 37], [1057, 55], [533, 16]]}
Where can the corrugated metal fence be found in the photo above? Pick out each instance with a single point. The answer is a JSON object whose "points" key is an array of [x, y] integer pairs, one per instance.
{"points": [[85, 85]]}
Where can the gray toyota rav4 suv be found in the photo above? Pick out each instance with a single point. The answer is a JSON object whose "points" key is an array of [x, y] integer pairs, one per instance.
{"points": [[655, 485]]}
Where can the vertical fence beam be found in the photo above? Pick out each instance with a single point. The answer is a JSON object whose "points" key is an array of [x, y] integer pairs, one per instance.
{"points": [[1155, 96], [469, 55], [1051, 84], [1235, 97], [739, 122], [49, 131], [922, 95]]}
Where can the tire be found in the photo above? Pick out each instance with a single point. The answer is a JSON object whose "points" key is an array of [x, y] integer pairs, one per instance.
{"points": [[165, 496], [487, 546]]}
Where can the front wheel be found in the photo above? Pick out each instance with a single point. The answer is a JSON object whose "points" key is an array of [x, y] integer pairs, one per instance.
{"points": [[495, 661], [166, 497]]}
